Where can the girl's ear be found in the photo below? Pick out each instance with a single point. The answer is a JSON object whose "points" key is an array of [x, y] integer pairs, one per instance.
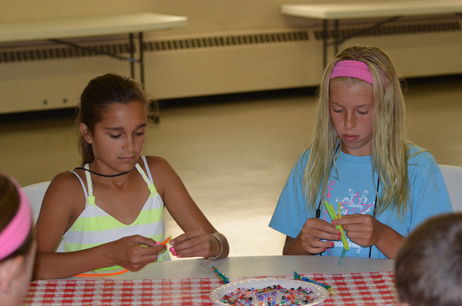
{"points": [[85, 132], [9, 269]]}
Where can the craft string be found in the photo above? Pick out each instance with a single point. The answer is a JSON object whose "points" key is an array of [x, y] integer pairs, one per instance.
{"points": [[306, 279], [220, 275]]}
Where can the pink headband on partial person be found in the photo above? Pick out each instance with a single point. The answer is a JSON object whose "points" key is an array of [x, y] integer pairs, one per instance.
{"points": [[354, 69], [16, 232]]}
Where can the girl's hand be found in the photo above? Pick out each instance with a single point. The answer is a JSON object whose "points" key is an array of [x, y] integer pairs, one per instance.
{"points": [[364, 230], [195, 243], [134, 252], [315, 236]]}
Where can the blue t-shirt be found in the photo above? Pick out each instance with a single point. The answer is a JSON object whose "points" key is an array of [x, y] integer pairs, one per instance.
{"points": [[353, 184]]}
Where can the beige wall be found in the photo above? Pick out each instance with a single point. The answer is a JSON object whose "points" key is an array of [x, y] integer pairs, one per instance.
{"points": [[203, 71], [204, 16]]}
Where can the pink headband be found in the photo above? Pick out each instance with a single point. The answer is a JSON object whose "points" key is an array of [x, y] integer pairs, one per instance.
{"points": [[14, 234], [355, 69]]}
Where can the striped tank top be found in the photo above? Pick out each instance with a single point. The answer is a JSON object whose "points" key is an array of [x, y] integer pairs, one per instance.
{"points": [[96, 227]]}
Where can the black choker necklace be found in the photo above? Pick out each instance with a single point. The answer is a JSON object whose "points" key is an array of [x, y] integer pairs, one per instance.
{"points": [[103, 175]]}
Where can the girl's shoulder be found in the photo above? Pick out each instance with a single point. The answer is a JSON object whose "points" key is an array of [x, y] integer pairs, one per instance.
{"points": [[155, 162], [164, 176], [304, 156], [420, 160], [65, 183], [64, 195], [158, 166], [66, 178], [418, 155]]}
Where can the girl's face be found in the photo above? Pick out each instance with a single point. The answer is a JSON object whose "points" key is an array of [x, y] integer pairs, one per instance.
{"points": [[351, 109], [118, 139]]}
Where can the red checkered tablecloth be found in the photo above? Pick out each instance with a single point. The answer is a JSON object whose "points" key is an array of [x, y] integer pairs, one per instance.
{"points": [[374, 288]]}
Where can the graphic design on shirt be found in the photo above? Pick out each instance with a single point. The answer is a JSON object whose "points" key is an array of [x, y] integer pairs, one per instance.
{"points": [[354, 203], [330, 187], [353, 246]]}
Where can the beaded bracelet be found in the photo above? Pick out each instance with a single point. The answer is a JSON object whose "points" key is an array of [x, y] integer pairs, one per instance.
{"points": [[219, 254], [221, 246]]}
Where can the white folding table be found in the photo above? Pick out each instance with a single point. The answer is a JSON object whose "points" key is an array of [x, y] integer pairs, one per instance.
{"points": [[359, 10], [58, 30]]}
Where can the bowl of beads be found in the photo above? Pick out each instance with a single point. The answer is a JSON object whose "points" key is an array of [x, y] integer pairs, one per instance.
{"points": [[269, 291]]}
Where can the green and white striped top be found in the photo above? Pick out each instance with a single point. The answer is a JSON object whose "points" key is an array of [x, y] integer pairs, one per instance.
{"points": [[95, 227]]}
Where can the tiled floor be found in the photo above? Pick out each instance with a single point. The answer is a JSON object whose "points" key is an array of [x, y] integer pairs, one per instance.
{"points": [[234, 153]]}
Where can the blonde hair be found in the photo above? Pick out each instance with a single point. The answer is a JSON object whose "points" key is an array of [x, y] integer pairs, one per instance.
{"points": [[389, 147]]}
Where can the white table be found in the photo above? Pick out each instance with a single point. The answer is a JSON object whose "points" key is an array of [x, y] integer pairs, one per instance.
{"points": [[358, 10], [59, 29], [250, 266]]}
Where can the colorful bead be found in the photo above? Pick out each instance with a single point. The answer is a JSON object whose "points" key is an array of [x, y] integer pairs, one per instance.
{"points": [[270, 296], [220, 275], [306, 279]]}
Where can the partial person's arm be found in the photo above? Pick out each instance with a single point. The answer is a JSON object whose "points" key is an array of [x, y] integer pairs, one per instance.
{"points": [[197, 240]]}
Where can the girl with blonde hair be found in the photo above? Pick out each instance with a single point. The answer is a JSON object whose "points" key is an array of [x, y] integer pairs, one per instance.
{"points": [[359, 160]]}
